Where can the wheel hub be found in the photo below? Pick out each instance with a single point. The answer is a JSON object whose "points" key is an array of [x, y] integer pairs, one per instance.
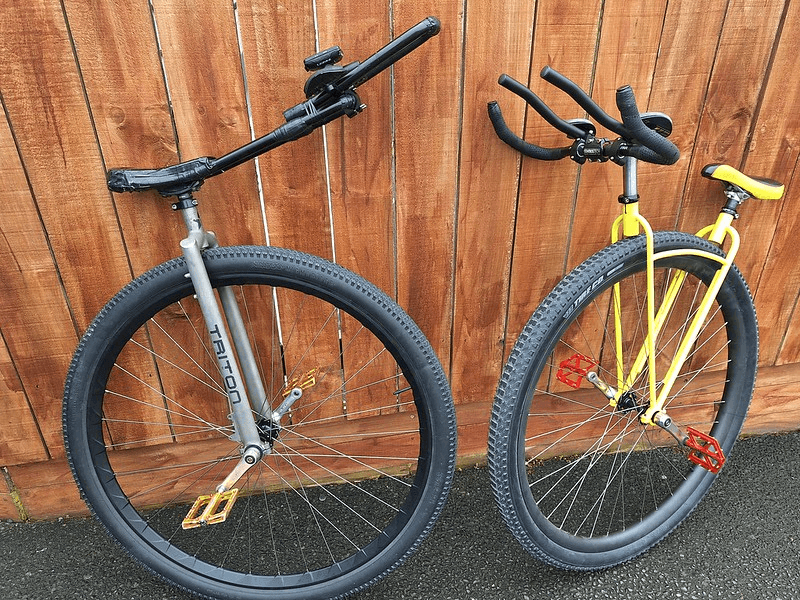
{"points": [[268, 431], [628, 401]]}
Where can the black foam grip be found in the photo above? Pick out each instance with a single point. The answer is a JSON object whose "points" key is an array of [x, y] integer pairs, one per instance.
{"points": [[654, 148], [510, 138]]}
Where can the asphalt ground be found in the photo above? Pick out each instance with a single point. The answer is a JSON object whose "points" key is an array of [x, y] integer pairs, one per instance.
{"points": [[742, 542]]}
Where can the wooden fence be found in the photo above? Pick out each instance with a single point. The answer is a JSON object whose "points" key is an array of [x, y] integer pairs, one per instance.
{"points": [[417, 194]]}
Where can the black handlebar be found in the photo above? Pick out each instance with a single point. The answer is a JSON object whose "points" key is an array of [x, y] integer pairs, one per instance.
{"points": [[330, 94], [333, 94], [649, 146], [516, 142], [574, 91], [388, 55], [520, 90], [637, 139]]}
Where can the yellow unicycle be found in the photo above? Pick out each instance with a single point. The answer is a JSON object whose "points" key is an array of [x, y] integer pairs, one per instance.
{"points": [[628, 386]]}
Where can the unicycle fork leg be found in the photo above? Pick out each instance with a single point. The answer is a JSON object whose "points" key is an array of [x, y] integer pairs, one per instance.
{"points": [[215, 507], [233, 382]]}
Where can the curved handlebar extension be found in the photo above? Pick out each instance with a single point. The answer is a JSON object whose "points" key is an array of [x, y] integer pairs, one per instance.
{"points": [[651, 147], [574, 91], [509, 137], [641, 141], [520, 90]]}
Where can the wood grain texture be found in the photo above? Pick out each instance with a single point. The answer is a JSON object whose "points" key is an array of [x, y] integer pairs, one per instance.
{"points": [[425, 201], [426, 137], [58, 223], [567, 43], [205, 82], [43, 97], [734, 93], [38, 335], [360, 149], [46, 492], [117, 50], [745, 47], [487, 198], [274, 43], [773, 152], [629, 41], [20, 441]]}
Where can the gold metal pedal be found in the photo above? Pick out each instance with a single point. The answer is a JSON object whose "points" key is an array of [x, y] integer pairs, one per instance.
{"points": [[210, 510], [303, 382]]}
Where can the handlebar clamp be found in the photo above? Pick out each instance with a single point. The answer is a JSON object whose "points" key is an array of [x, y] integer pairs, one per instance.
{"points": [[591, 149]]}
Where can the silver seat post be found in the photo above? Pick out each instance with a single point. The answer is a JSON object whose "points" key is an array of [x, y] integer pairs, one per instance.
{"points": [[630, 179]]}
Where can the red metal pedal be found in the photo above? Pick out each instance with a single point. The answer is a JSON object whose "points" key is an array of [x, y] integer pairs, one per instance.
{"points": [[572, 370], [705, 450]]}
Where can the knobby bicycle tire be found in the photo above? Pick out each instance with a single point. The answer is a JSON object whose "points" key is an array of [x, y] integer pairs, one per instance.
{"points": [[359, 469], [583, 485]]}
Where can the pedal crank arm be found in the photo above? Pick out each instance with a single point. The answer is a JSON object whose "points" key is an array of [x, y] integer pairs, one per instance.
{"points": [[608, 391], [251, 456], [667, 424], [215, 508]]}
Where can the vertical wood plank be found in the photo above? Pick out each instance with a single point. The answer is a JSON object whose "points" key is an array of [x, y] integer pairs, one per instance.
{"points": [[565, 40], [629, 43], [780, 277], [487, 196], [204, 77], [361, 185], [745, 47], [680, 82], [44, 98], [360, 149], [426, 130], [275, 40], [790, 347], [129, 105], [34, 317], [20, 441], [773, 152]]}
